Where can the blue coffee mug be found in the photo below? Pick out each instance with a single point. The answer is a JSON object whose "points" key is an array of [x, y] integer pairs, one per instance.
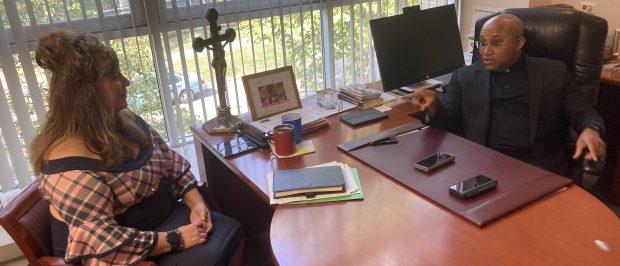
{"points": [[293, 119]]}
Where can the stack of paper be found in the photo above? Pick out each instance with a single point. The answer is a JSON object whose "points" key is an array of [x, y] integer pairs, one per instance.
{"points": [[353, 190], [310, 113]]}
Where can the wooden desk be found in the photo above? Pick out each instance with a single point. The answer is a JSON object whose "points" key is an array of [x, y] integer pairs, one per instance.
{"points": [[239, 184], [394, 225], [608, 99]]}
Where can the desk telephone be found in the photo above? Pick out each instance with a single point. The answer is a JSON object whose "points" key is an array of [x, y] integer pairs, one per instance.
{"points": [[252, 133], [247, 138]]}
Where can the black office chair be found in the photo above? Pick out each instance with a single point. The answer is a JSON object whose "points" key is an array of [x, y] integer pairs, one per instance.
{"points": [[571, 36]]}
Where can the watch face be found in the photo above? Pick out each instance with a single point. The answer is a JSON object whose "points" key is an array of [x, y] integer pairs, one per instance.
{"points": [[173, 237]]}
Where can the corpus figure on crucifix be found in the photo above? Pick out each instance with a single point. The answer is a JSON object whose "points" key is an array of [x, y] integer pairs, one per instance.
{"points": [[224, 122]]}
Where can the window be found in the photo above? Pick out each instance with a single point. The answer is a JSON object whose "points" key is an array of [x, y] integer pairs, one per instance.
{"points": [[328, 44]]}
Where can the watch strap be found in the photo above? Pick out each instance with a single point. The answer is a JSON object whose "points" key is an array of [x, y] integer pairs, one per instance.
{"points": [[174, 239]]}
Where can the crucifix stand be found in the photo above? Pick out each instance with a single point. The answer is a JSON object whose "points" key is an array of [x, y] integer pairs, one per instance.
{"points": [[225, 122]]}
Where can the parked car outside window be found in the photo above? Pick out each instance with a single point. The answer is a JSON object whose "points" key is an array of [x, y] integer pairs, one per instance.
{"points": [[187, 95]]}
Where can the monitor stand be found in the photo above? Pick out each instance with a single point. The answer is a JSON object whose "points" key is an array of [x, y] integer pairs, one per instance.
{"points": [[428, 84]]}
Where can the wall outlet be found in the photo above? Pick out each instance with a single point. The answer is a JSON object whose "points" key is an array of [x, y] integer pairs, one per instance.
{"points": [[588, 7]]}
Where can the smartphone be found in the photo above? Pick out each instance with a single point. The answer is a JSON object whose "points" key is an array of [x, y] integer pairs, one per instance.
{"points": [[473, 186], [235, 146], [432, 162]]}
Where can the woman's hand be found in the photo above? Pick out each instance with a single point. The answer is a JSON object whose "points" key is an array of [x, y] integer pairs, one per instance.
{"points": [[198, 207], [201, 214], [193, 234]]}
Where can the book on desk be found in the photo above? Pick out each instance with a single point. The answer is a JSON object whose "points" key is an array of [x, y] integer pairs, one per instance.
{"points": [[352, 187], [308, 181], [360, 92]]}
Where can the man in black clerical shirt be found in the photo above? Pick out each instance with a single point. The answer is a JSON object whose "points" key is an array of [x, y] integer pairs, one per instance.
{"points": [[516, 104], [509, 121]]}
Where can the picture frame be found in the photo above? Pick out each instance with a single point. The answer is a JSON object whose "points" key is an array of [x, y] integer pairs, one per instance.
{"points": [[271, 92], [615, 50]]}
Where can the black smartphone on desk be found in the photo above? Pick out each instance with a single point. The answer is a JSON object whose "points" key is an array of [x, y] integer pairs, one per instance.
{"points": [[473, 186], [434, 161], [235, 146]]}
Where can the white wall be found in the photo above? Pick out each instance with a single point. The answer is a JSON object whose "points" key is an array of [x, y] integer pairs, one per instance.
{"points": [[467, 14], [535, 3], [607, 9]]}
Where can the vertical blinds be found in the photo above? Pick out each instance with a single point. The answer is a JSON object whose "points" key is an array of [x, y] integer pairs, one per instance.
{"points": [[328, 43]]}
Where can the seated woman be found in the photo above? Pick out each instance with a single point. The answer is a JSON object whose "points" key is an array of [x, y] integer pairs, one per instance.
{"points": [[112, 182]]}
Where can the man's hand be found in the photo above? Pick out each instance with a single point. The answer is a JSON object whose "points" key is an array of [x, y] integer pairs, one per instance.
{"points": [[591, 139], [200, 213], [426, 99]]}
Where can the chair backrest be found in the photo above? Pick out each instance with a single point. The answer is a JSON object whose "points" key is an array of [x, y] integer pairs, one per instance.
{"points": [[568, 35], [27, 220]]}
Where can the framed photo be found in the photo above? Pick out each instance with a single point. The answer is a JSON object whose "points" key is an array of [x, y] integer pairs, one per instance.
{"points": [[616, 43], [271, 92]]}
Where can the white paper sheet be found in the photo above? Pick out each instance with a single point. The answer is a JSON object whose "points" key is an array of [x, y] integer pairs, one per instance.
{"points": [[310, 112]]}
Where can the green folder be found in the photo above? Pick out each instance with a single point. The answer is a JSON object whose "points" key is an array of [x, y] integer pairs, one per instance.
{"points": [[358, 195]]}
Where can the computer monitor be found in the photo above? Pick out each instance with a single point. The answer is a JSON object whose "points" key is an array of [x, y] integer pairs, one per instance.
{"points": [[411, 9], [416, 46]]}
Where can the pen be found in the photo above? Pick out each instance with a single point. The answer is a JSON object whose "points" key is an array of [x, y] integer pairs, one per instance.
{"points": [[394, 141]]}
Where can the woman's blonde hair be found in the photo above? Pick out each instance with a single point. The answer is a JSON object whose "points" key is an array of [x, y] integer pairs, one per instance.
{"points": [[78, 63]]}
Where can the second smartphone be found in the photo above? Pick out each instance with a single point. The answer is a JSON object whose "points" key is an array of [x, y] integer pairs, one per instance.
{"points": [[436, 160], [473, 186]]}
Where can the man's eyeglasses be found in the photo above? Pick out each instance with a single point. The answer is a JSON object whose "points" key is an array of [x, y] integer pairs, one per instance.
{"points": [[493, 43]]}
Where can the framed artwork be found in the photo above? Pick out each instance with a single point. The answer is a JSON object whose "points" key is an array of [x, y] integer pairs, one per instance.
{"points": [[271, 92], [616, 43]]}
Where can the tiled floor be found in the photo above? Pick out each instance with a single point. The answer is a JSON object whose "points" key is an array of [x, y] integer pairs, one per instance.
{"points": [[21, 261]]}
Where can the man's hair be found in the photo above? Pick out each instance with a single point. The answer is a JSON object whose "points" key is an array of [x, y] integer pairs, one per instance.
{"points": [[78, 63]]}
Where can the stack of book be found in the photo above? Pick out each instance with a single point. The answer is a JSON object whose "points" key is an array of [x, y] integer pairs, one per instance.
{"points": [[314, 125], [322, 183], [362, 96]]}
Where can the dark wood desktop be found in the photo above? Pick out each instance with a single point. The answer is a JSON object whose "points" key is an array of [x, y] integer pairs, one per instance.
{"points": [[394, 225]]}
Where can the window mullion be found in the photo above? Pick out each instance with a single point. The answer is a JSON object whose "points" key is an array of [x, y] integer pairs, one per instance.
{"points": [[211, 75], [329, 65], [156, 29], [232, 62]]}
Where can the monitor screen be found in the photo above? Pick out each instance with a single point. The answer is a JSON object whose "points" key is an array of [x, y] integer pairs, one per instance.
{"points": [[417, 46]]}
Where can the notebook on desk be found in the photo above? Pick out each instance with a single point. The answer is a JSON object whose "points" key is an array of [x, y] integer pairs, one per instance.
{"points": [[307, 181], [362, 117]]}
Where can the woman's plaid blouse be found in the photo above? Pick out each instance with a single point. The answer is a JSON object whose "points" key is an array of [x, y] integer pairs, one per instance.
{"points": [[87, 198]]}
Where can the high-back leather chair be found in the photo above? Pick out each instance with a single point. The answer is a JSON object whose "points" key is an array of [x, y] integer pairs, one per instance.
{"points": [[568, 35], [27, 220], [563, 34]]}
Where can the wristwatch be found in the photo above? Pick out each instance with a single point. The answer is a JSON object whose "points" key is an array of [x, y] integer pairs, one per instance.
{"points": [[174, 239]]}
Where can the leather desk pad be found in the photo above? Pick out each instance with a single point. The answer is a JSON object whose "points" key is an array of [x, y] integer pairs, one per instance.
{"points": [[518, 183]]}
